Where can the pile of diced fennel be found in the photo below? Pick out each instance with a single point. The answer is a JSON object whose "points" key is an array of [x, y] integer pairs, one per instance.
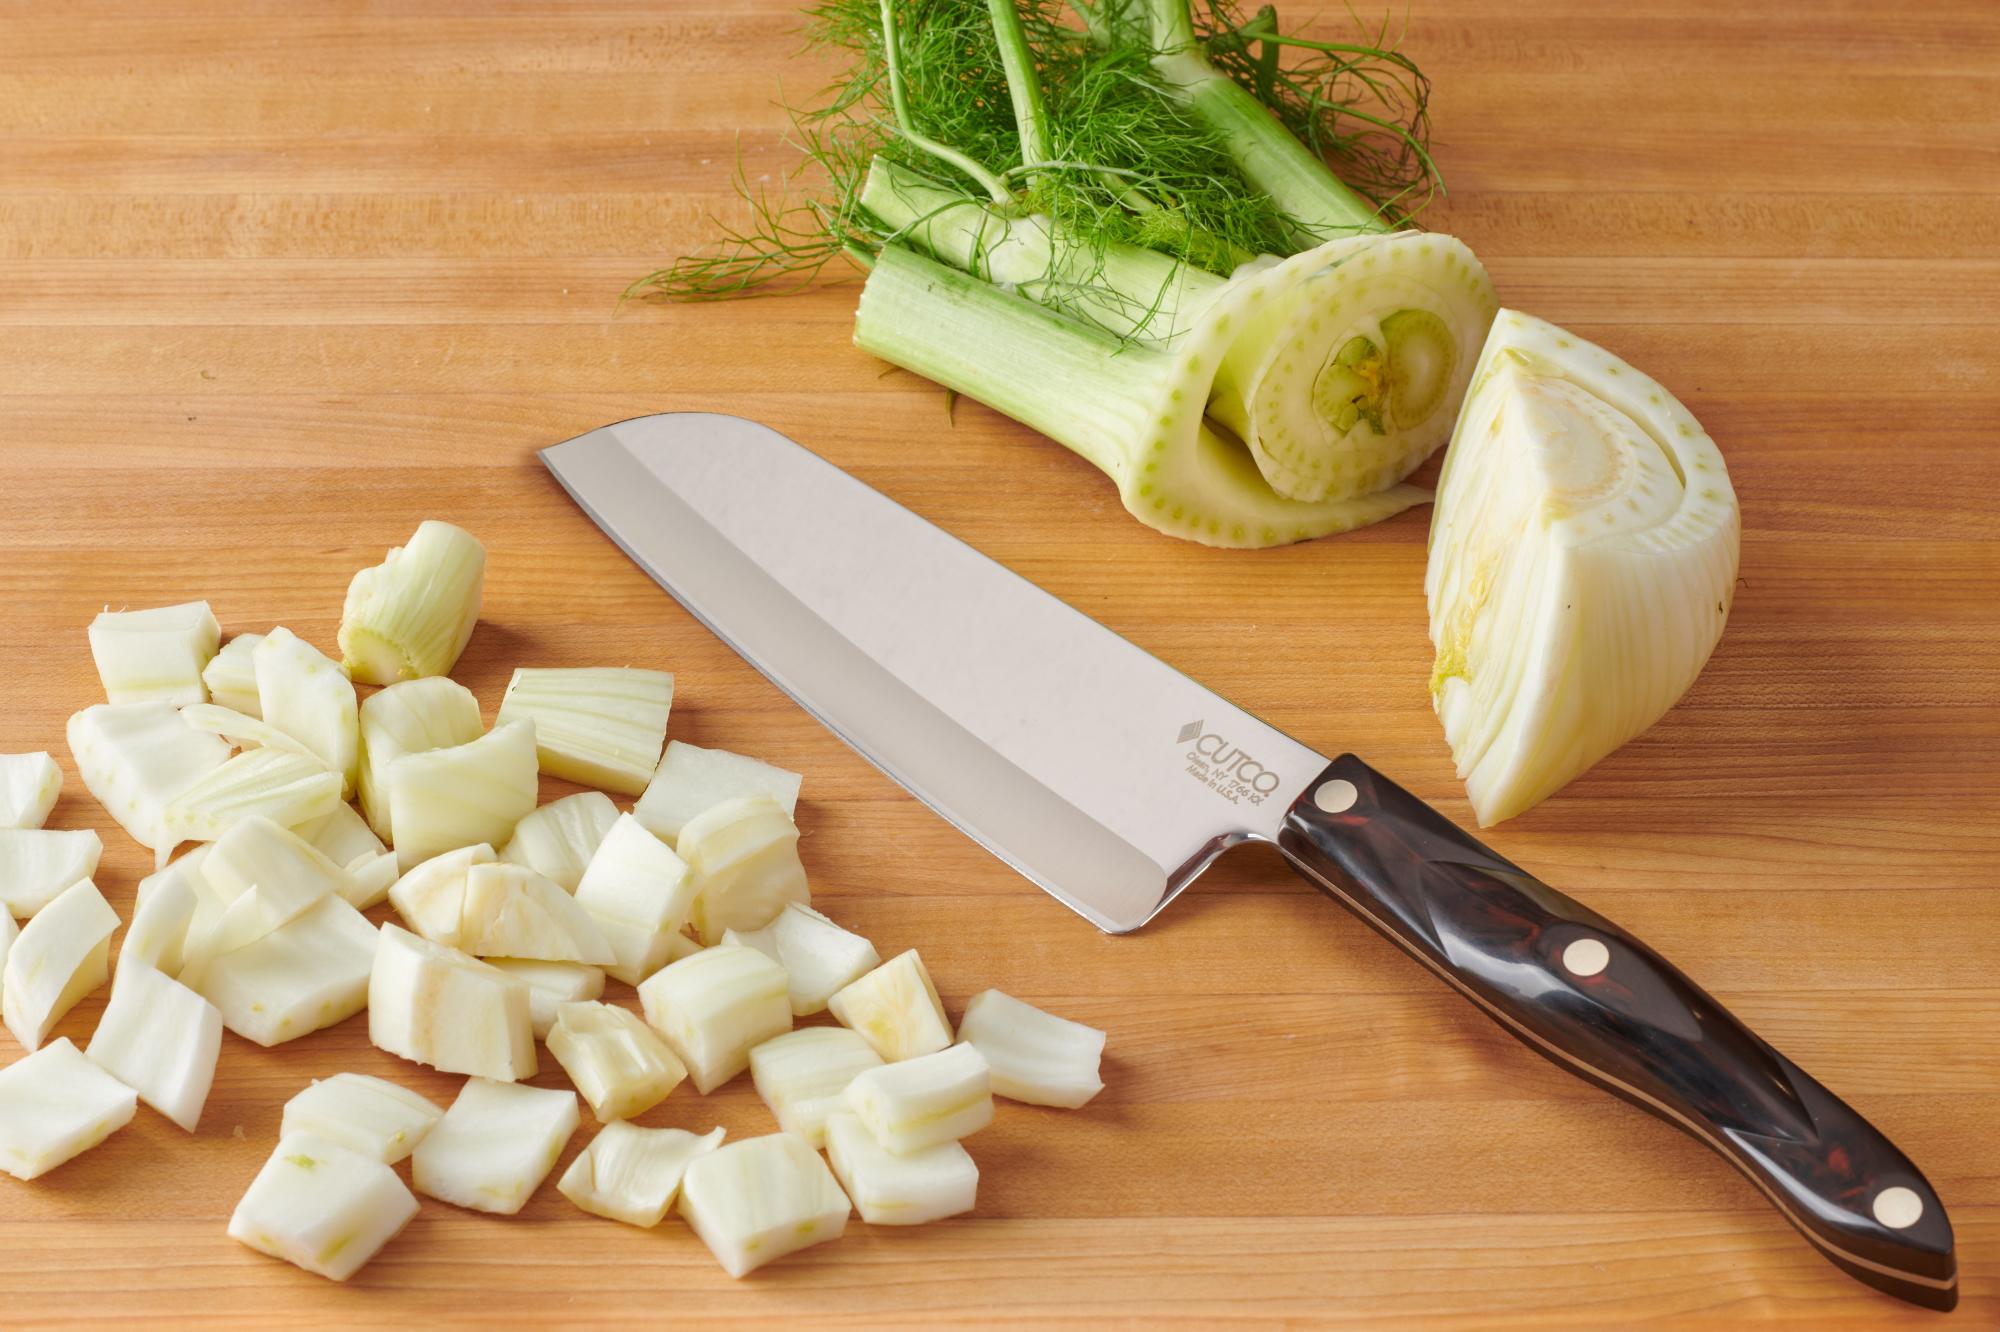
{"points": [[695, 897]]}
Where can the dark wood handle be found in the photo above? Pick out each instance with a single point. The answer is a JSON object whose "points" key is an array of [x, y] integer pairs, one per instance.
{"points": [[1585, 994]]}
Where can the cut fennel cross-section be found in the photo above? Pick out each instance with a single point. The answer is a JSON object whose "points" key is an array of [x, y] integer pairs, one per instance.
{"points": [[231, 676], [411, 615], [161, 1039], [435, 1005], [597, 726], [345, 838], [56, 1105], [1035, 1056], [495, 1145], [745, 855], [145, 655], [244, 730], [135, 757], [372, 1116], [818, 956], [443, 799], [640, 894], [37, 864], [761, 1198], [1582, 562], [409, 718], [633, 1174], [29, 785], [895, 1008], [305, 694], [550, 986], [618, 1063], [906, 1190], [714, 1006], [559, 838], [256, 851], [59, 957], [923, 1102], [1265, 352], [322, 1207], [691, 780], [306, 975], [803, 1075]]}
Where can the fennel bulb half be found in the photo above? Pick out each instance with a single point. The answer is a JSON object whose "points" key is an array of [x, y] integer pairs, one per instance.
{"points": [[1582, 561]]}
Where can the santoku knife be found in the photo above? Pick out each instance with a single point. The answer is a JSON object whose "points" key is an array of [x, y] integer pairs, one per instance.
{"points": [[1112, 780]]}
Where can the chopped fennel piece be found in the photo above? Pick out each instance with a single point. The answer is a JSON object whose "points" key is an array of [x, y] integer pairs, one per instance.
{"points": [[892, 1190], [745, 854], [257, 852], [245, 731], [680, 946], [410, 718], [372, 1116], [267, 783], [307, 695], [511, 911], [619, 1064], [443, 799], [896, 1009], [256, 913], [633, 1174], [411, 615], [1583, 558], [550, 986], [322, 1207], [559, 838], [818, 956], [161, 1039], [135, 757], [167, 905], [59, 957], [923, 1102], [803, 1076], [9, 932], [714, 1006], [430, 897], [434, 1005], [55, 1105], [307, 975], [231, 676], [29, 785], [596, 726], [345, 838], [761, 1198], [640, 893], [38, 864], [495, 1145], [691, 780], [145, 655], [1035, 1057]]}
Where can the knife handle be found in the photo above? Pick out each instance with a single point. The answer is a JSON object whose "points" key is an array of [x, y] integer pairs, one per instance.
{"points": [[1578, 990]]}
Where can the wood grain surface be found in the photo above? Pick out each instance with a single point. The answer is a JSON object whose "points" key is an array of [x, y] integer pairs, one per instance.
{"points": [[280, 279]]}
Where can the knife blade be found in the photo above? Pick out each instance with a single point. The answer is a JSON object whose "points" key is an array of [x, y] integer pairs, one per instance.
{"points": [[1112, 780]]}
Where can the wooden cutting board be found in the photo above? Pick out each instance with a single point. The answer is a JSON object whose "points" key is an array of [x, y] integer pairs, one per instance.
{"points": [[277, 281]]}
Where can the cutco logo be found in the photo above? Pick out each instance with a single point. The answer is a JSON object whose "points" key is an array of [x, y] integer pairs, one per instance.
{"points": [[1223, 768]]}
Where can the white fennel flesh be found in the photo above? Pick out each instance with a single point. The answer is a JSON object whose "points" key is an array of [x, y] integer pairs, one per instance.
{"points": [[38, 864], [409, 718], [1582, 561], [443, 799], [435, 1005], [161, 1039], [258, 783], [495, 1145], [745, 855], [135, 757], [29, 785], [714, 1007], [304, 976], [145, 655], [924, 1102], [633, 1174], [759, 1199], [411, 615], [1035, 1056], [59, 957], [231, 676], [511, 911], [907, 1190], [818, 956], [691, 779], [56, 1105], [322, 1207], [599, 726], [550, 986], [895, 1008], [308, 696], [619, 1064], [559, 838], [373, 1116], [640, 893], [803, 1075]]}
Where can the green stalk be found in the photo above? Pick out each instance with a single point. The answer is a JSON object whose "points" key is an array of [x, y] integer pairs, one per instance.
{"points": [[1126, 290], [1319, 207], [1078, 385], [1017, 58], [899, 102]]}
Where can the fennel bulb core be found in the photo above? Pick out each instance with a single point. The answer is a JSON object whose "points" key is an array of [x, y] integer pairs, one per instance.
{"points": [[1583, 557]]}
